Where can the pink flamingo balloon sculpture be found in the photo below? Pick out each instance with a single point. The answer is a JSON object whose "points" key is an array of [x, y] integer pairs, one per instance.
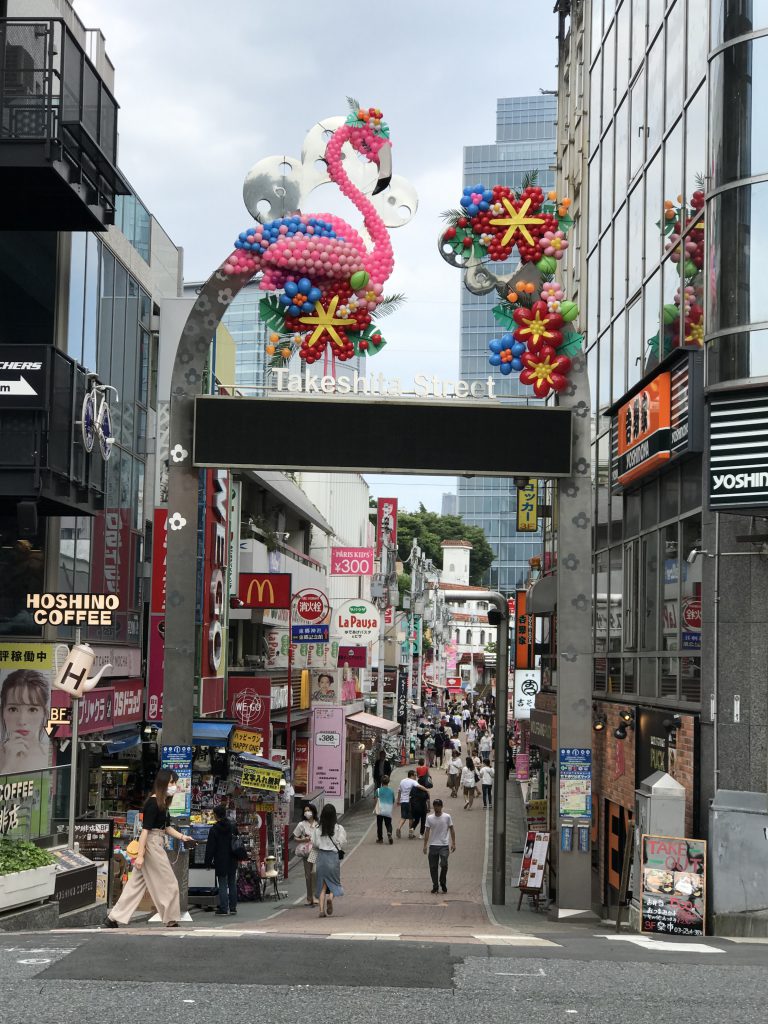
{"points": [[332, 283]]}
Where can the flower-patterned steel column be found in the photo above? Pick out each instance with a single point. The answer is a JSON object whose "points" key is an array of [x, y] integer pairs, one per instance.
{"points": [[182, 560], [574, 630]]}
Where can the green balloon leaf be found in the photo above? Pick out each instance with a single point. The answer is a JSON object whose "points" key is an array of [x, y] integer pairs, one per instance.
{"points": [[371, 348], [271, 313], [571, 345], [503, 316]]}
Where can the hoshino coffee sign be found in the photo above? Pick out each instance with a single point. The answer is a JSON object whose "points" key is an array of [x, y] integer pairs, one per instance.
{"points": [[738, 457]]}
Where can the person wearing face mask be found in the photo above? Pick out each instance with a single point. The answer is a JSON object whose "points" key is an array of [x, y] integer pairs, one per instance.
{"points": [[303, 835], [152, 870]]}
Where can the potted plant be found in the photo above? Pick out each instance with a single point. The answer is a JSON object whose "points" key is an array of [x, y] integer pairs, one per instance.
{"points": [[27, 873]]}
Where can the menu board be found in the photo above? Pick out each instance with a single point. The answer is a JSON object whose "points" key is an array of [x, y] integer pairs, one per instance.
{"points": [[94, 837], [673, 885], [534, 862]]}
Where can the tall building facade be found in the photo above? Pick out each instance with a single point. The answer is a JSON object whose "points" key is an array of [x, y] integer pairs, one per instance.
{"points": [[525, 142]]}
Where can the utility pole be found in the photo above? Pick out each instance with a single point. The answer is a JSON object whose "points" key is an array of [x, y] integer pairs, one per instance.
{"points": [[415, 553], [383, 602]]}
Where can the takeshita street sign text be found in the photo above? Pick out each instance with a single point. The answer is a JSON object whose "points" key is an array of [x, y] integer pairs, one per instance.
{"points": [[380, 386]]}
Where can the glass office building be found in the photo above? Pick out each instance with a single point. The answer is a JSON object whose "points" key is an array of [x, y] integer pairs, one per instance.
{"points": [[525, 141]]}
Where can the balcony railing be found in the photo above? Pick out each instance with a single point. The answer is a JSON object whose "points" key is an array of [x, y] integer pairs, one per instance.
{"points": [[56, 114]]}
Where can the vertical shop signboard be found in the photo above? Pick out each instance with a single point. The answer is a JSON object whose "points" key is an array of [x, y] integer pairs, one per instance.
{"points": [[301, 764], [215, 598], [575, 782], [527, 685], [156, 659], [328, 748], [523, 632], [249, 703], [179, 760], [673, 885], [402, 699], [527, 507]]}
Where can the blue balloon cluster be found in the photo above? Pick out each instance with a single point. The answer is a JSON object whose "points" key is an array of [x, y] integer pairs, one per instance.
{"points": [[301, 287], [267, 234], [503, 344], [470, 205]]}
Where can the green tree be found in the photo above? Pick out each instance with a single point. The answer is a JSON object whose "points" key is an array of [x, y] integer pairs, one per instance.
{"points": [[431, 529]]}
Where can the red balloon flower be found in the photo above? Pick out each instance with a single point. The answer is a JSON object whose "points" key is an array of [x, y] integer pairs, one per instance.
{"points": [[538, 327], [545, 371]]}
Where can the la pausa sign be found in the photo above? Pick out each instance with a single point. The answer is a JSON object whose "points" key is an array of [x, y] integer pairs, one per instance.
{"points": [[422, 386], [356, 620]]}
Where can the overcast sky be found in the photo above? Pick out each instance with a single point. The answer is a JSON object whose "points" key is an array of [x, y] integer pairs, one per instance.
{"points": [[208, 88]]}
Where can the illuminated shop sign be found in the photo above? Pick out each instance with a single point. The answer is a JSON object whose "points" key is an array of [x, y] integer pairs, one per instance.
{"points": [[659, 421]]}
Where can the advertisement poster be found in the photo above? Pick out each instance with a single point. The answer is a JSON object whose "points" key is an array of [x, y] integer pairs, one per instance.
{"points": [[301, 765], [536, 815], [25, 805], [575, 782], [527, 685], [673, 885], [534, 862], [25, 698], [267, 779], [179, 760], [325, 689], [386, 519], [247, 741], [523, 767], [328, 751]]}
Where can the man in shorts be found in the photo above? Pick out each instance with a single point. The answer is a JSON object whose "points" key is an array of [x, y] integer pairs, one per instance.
{"points": [[439, 829], [404, 799]]}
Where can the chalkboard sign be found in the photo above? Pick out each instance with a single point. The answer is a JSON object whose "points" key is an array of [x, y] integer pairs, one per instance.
{"points": [[673, 882]]}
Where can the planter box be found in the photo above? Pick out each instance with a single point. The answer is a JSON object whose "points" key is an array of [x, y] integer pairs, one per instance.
{"points": [[22, 887]]}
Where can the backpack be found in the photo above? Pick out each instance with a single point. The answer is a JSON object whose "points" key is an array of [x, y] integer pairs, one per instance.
{"points": [[237, 847]]}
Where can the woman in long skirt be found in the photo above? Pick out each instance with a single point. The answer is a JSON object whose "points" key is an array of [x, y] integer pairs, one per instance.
{"points": [[328, 842], [152, 870]]}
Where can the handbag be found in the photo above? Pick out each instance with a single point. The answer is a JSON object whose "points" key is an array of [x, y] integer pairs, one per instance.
{"points": [[377, 807], [237, 846], [340, 852]]}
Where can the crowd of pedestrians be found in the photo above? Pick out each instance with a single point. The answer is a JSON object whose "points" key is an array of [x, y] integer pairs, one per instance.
{"points": [[455, 747]]}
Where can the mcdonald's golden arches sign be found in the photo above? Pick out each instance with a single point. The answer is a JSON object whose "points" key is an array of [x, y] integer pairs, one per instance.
{"points": [[265, 589]]}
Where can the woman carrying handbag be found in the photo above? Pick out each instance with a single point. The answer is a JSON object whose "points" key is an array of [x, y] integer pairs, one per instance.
{"points": [[303, 835], [152, 870], [328, 841]]}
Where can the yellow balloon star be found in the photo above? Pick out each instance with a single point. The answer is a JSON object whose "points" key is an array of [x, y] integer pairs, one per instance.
{"points": [[516, 221], [325, 321]]}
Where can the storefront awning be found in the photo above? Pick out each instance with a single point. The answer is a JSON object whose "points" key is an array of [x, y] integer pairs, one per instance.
{"points": [[373, 722], [209, 734], [123, 741], [542, 597]]}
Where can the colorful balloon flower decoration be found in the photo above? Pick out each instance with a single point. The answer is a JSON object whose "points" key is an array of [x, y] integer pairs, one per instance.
{"points": [[490, 223], [683, 318], [332, 285]]}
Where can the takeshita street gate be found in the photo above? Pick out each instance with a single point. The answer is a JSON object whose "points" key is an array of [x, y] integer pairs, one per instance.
{"points": [[328, 289]]}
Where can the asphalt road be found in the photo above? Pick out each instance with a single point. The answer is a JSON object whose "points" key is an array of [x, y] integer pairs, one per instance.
{"points": [[196, 977]]}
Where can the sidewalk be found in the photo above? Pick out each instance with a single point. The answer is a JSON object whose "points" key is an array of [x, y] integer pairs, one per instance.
{"points": [[387, 888]]}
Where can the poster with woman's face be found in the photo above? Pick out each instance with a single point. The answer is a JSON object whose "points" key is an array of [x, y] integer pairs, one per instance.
{"points": [[25, 699], [325, 689]]}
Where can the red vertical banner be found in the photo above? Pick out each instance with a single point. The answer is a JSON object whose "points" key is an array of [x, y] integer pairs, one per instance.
{"points": [[113, 569], [301, 764], [156, 659], [215, 596], [386, 515]]}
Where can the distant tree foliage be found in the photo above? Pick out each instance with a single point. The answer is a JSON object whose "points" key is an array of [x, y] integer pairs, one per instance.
{"points": [[430, 529]]}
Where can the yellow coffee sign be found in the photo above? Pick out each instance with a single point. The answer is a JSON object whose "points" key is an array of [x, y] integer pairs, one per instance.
{"points": [[261, 778], [246, 741]]}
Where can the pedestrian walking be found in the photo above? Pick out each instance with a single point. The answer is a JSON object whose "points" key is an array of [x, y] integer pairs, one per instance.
{"points": [[303, 834], [485, 747], [469, 779], [454, 773], [429, 744], [455, 724], [152, 870], [420, 803], [471, 739], [381, 767], [465, 716], [328, 840], [440, 741], [385, 804], [404, 801], [219, 856], [486, 781], [439, 828]]}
